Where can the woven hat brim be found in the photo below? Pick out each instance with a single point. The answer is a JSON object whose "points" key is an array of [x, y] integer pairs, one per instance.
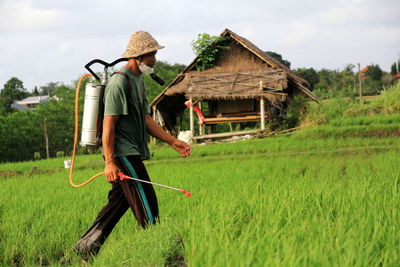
{"points": [[130, 54]]}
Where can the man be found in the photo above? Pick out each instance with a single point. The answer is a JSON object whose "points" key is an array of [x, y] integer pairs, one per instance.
{"points": [[125, 127]]}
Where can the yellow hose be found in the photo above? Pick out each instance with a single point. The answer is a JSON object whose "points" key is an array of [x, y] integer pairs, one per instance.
{"points": [[76, 136]]}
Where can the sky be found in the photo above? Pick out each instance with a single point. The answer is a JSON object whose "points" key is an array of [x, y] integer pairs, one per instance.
{"points": [[43, 41]]}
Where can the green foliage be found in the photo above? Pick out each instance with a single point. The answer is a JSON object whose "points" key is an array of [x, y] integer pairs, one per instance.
{"points": [[24, 130], [59, 116], [49, 89], [13, 90], [5, 105], [60, 154], [309, 74], [279, 58], [35, 91], [296, 110], [376, 117], [23, 136], [374, 72], [343, 83], [393, 69], [208, 49], [36, 156]]}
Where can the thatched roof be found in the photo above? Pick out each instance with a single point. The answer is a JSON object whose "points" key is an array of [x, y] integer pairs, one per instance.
{"points": [[241, 85], [211, 84]]}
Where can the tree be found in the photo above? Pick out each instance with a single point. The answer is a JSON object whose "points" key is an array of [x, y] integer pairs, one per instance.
{"points": [[393, 69], [279, 58], [5, 105], [48, 89], [59, 117], [372, 83], [35, 91], [14, 89], [374, 72], [20, 136], [309, 74]]}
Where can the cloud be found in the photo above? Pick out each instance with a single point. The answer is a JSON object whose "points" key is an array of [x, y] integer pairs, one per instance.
{"points": [[300, 33], [340, 16], [64, 47], [57, 38], [21, 16]]}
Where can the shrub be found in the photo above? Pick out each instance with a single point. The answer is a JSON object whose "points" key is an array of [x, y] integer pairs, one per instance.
{"points": [[208, 48], [36, 156], [60, 154]]}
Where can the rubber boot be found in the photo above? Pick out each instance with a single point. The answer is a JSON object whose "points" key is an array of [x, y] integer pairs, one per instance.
{"points": [[90, 243]]}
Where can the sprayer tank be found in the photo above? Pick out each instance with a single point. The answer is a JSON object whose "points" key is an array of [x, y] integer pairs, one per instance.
{"points": [[93, 93]]}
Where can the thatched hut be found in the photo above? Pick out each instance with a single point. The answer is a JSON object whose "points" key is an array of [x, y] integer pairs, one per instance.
{"points": [[246, 84]]}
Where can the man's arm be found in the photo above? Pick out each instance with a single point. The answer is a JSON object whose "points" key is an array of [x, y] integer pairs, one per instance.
{"points": [[108, 140], [181, 147]]}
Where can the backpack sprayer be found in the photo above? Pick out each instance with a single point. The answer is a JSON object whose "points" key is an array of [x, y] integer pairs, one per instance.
{"points": [[93, 112]]}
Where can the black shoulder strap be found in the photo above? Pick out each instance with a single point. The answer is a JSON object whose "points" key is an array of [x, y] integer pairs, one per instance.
{"points": [[128, 87]]}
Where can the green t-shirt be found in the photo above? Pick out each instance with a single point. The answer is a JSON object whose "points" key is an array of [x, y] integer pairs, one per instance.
{"points": [[130, 130]]}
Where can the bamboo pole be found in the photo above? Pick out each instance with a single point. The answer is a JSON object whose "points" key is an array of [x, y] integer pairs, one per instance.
{"points": [[360, 82], [262, 109]]}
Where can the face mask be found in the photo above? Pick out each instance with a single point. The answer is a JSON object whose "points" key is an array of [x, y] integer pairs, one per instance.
{"points": [[146, 70]]}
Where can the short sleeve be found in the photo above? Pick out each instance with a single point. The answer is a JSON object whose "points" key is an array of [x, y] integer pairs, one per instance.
{"points": [[115, 102]]}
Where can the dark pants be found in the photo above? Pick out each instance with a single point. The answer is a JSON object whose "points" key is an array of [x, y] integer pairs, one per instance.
{"points": [[140, 197]]}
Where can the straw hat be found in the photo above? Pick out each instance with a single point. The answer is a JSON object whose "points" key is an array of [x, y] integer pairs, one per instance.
{"points": [[141, 43]]}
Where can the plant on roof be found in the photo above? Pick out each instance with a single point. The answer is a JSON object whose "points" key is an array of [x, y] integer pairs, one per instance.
{"points": [[208, 49]]}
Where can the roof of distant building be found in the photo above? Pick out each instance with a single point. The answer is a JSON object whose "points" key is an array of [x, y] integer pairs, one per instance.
{"points": [[33, 100]]}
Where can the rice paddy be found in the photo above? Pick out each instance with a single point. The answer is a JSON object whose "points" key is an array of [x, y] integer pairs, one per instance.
{"points": [[282, 201]]}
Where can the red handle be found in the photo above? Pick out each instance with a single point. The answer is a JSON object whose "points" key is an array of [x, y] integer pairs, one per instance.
{"points": [[122, 176]]}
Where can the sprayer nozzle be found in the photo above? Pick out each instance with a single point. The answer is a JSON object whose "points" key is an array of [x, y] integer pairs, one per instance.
{"points": [[188, 194]]}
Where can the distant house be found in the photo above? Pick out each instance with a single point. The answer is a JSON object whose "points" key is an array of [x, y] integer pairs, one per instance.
{"points": [[30, 102]]}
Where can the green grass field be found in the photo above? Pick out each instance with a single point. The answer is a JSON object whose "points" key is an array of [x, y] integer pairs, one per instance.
{"points": [[326, 196], [282, 201]]}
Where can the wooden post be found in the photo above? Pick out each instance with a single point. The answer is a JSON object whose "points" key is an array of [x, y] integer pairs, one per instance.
{"points": [[191, 116], [46, 137], [262, 108], [360, 82]]}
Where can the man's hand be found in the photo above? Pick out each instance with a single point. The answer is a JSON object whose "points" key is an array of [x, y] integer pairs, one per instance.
{"points": [[111, 171], [152, 127], [183, 148]]}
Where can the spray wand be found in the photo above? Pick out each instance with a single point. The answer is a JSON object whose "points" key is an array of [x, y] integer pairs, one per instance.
{"points": [[123, 177]]}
